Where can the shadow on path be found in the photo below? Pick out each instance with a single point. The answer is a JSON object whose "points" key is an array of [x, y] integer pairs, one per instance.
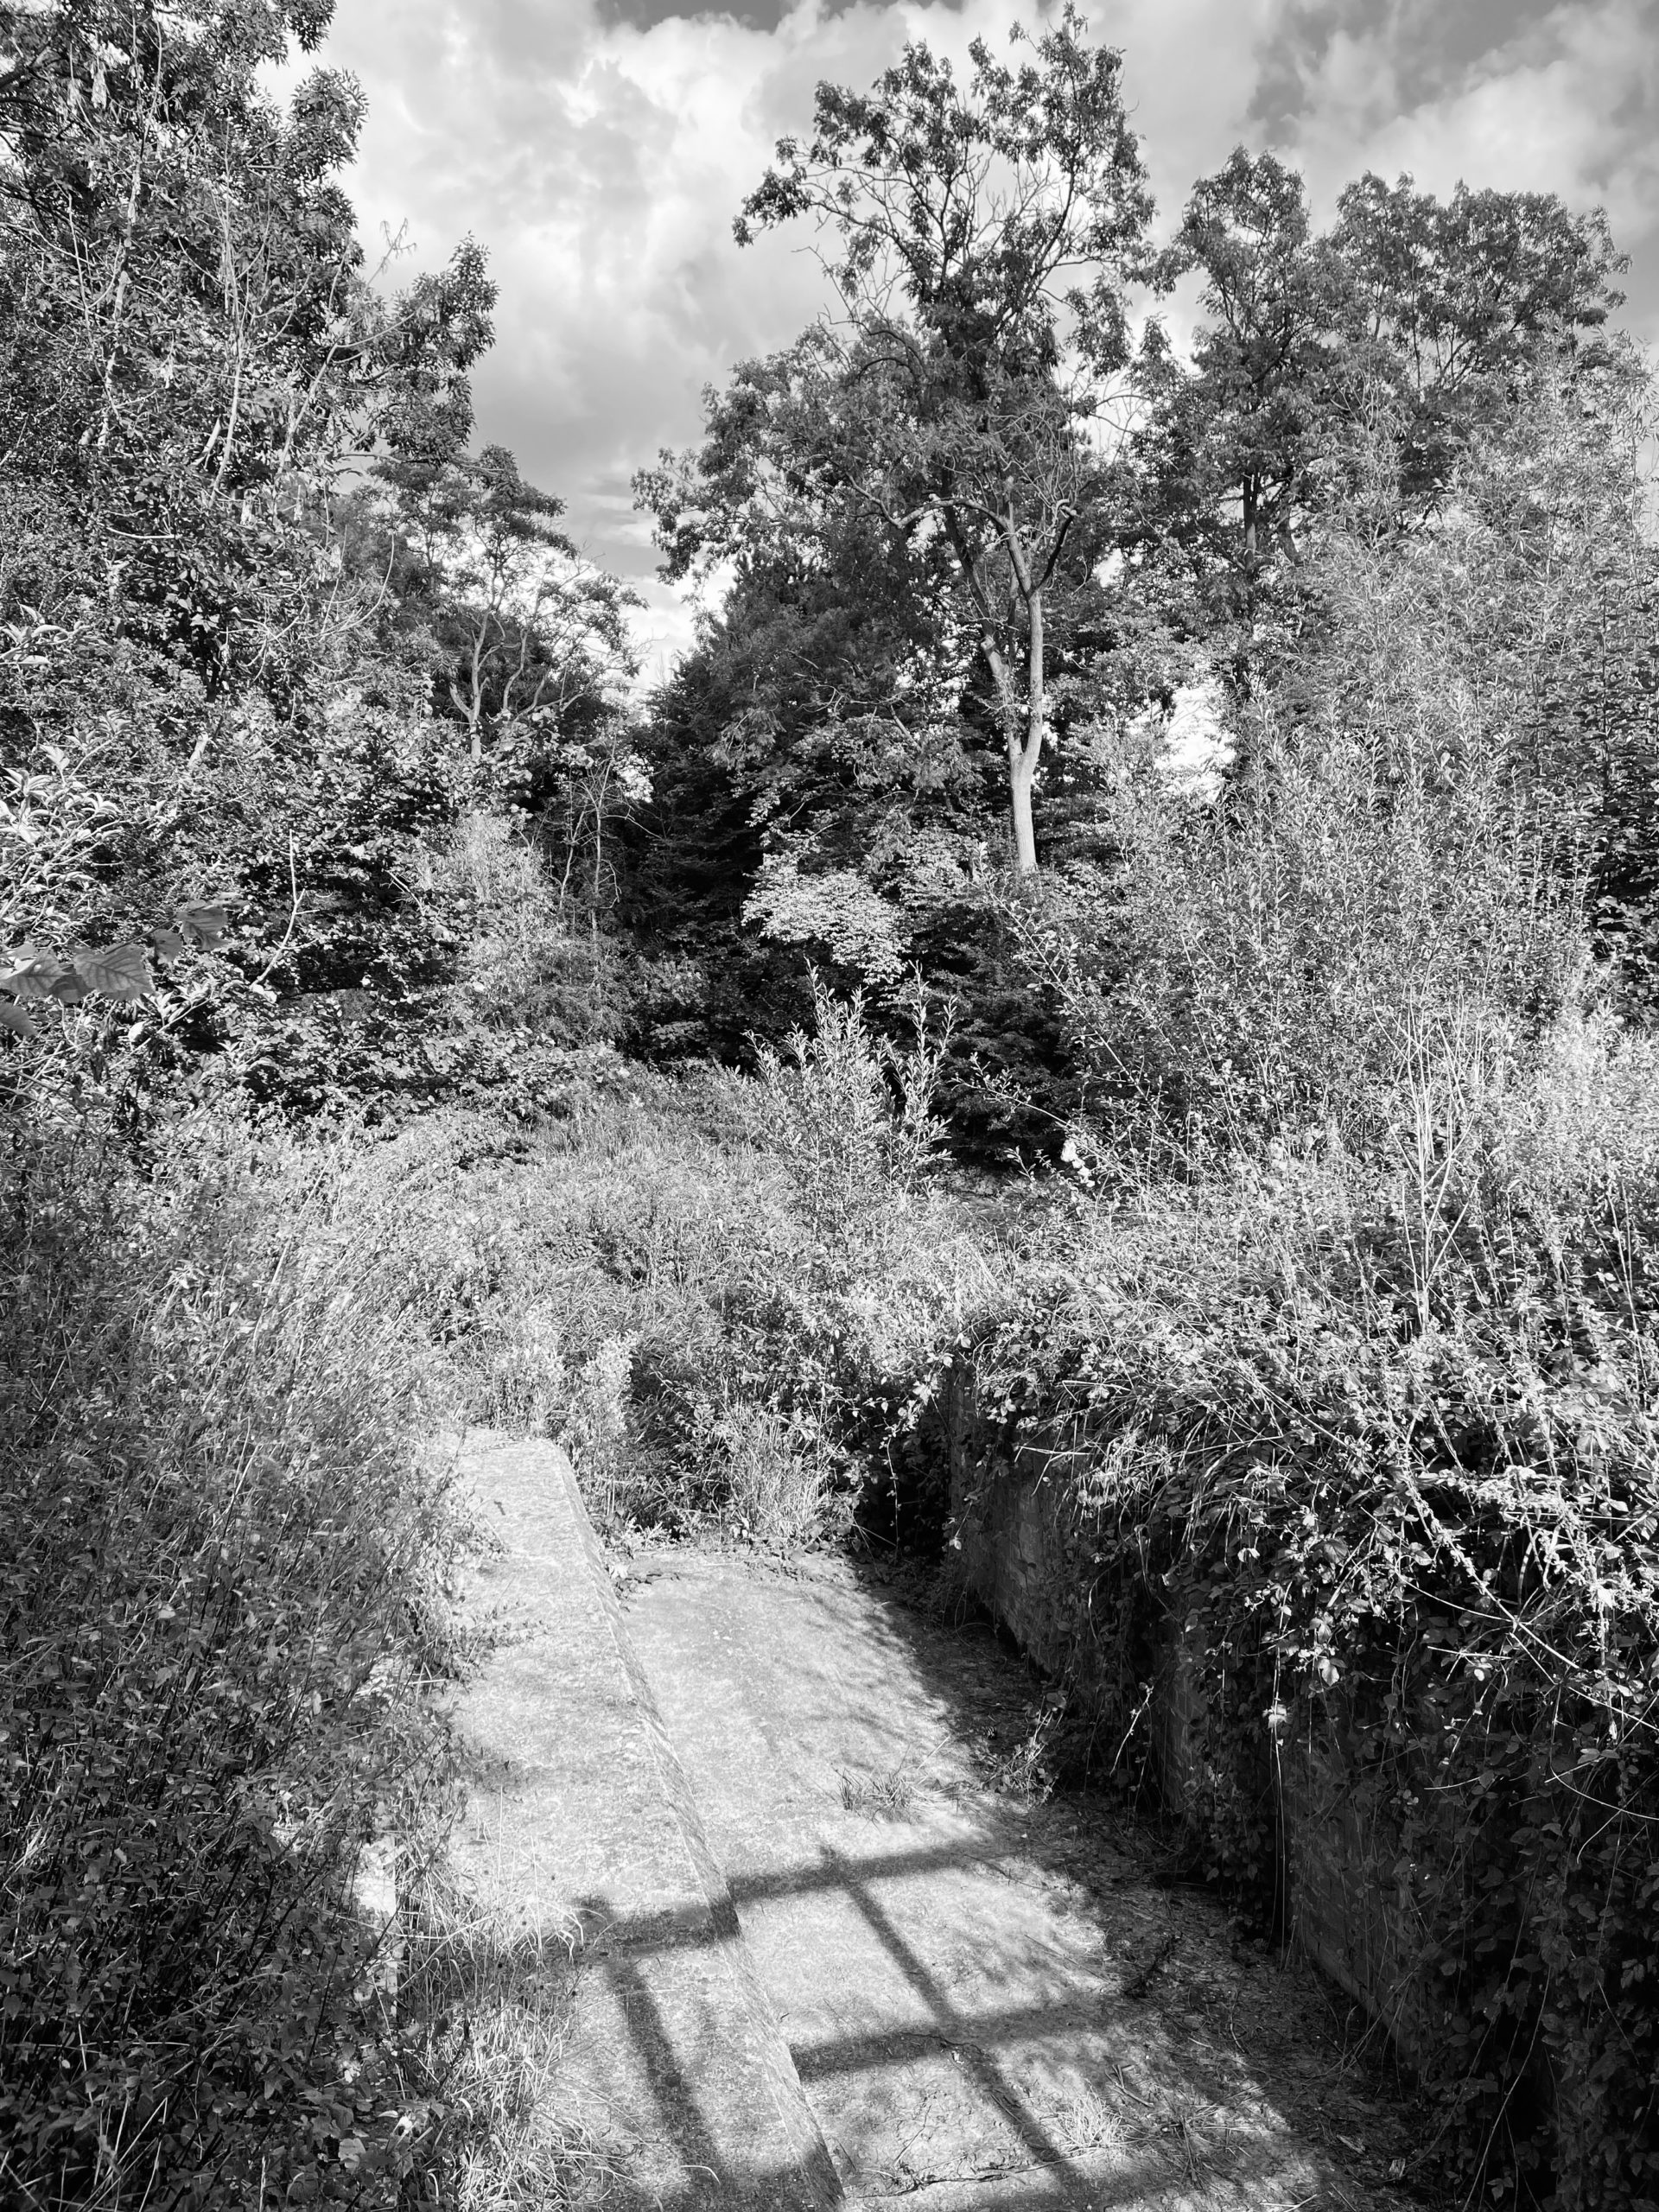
{"points": [[952, 1971]]}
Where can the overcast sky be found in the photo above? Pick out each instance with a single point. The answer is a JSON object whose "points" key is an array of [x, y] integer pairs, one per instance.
{"points": [[600, 149]]}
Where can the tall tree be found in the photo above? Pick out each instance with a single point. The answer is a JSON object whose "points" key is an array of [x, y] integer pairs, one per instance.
{"points": [[183, 281], [533, 638], [1389, 343], [193, 355], [985, 235], [1232, 447], [1450, 299]]}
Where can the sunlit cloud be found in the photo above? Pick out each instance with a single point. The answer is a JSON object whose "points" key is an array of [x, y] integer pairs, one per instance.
{"points": [[1568, 104]]}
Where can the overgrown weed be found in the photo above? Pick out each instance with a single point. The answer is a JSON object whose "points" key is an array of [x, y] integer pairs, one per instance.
{"points": [[724, 1310], [890, 1790], [495, 2006], [1380, 1429], [1027, 1769], [227, 1585]]}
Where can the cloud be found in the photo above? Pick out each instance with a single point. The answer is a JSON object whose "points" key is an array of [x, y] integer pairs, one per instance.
{"points": [[1564, 100], [602, 161], [1413, 49]]}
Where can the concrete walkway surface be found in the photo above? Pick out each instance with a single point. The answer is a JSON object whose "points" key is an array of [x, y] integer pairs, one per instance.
{"points": [[818, 1959], [991, 2004], [675, 2064]]}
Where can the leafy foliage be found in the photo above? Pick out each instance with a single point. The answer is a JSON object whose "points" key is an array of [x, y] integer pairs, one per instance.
{"points": [[531, 641], [965, 418], [1421, 805], [223, 1604], [715, 1289], [226, 1581], [986, 234], [1380, 1434]]}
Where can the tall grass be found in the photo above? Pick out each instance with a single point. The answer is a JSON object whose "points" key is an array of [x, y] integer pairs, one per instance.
{"points": [[491, 2007], [717, 1292], [225, 1584]]}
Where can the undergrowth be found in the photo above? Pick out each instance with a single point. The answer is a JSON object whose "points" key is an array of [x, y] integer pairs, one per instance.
{"points": [[491, 2003], [1375, 1421], [224, 1358], [225, 1588], [1378, 1434], [721, 1294]]}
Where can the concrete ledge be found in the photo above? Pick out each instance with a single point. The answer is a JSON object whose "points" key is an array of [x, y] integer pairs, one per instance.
{"points": [[585, 1825], [1019, 1551]]}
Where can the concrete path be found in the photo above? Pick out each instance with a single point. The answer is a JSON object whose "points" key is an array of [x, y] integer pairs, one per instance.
{"points": [[813, 1957], [583, 1838], [989, 2004]]}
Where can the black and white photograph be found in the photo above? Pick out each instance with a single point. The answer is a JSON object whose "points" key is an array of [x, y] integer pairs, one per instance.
{"points": [[830, 1105]]}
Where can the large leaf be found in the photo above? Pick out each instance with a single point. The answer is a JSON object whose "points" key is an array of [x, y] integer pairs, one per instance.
{"points": [[208, 924], [36, 977], [168, 946], [14, 1018], [118, 971]]}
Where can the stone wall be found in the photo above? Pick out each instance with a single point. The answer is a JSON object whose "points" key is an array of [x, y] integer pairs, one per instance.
{"points": [[1016, 1548]]}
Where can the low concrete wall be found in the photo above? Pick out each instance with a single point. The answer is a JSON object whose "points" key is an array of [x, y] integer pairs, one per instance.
{"points": [[1019, 1549]]}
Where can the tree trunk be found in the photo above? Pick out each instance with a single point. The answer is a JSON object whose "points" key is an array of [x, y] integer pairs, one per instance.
{"points": [[1022, 761], [1024, 756], [1025, 746], [1019, 781]]}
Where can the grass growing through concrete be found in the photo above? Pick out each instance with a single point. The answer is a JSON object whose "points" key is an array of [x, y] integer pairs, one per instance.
{"points": [[494, 2009], [890, 1792]]}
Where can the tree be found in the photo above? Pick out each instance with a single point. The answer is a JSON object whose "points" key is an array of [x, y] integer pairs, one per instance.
{"points": [[533, 637], [193, 355], [986, 239], [184, 283], [1376, 353], [1450, 301], [834, 648], [1232, 450], [190, 347]]}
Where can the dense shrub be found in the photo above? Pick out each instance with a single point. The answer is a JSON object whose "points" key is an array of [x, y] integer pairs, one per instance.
{"points": [[1253, 967], [223, 1585], [1383, 1431], [1416, 808]]}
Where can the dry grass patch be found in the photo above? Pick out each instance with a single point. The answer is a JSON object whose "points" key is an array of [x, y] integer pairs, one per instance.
{"points": [[495, 2003], [891, 1792]]}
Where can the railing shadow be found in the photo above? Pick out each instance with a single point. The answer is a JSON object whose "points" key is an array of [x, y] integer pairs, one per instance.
{"points": [[980, 2042], [1169, 2114]]}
